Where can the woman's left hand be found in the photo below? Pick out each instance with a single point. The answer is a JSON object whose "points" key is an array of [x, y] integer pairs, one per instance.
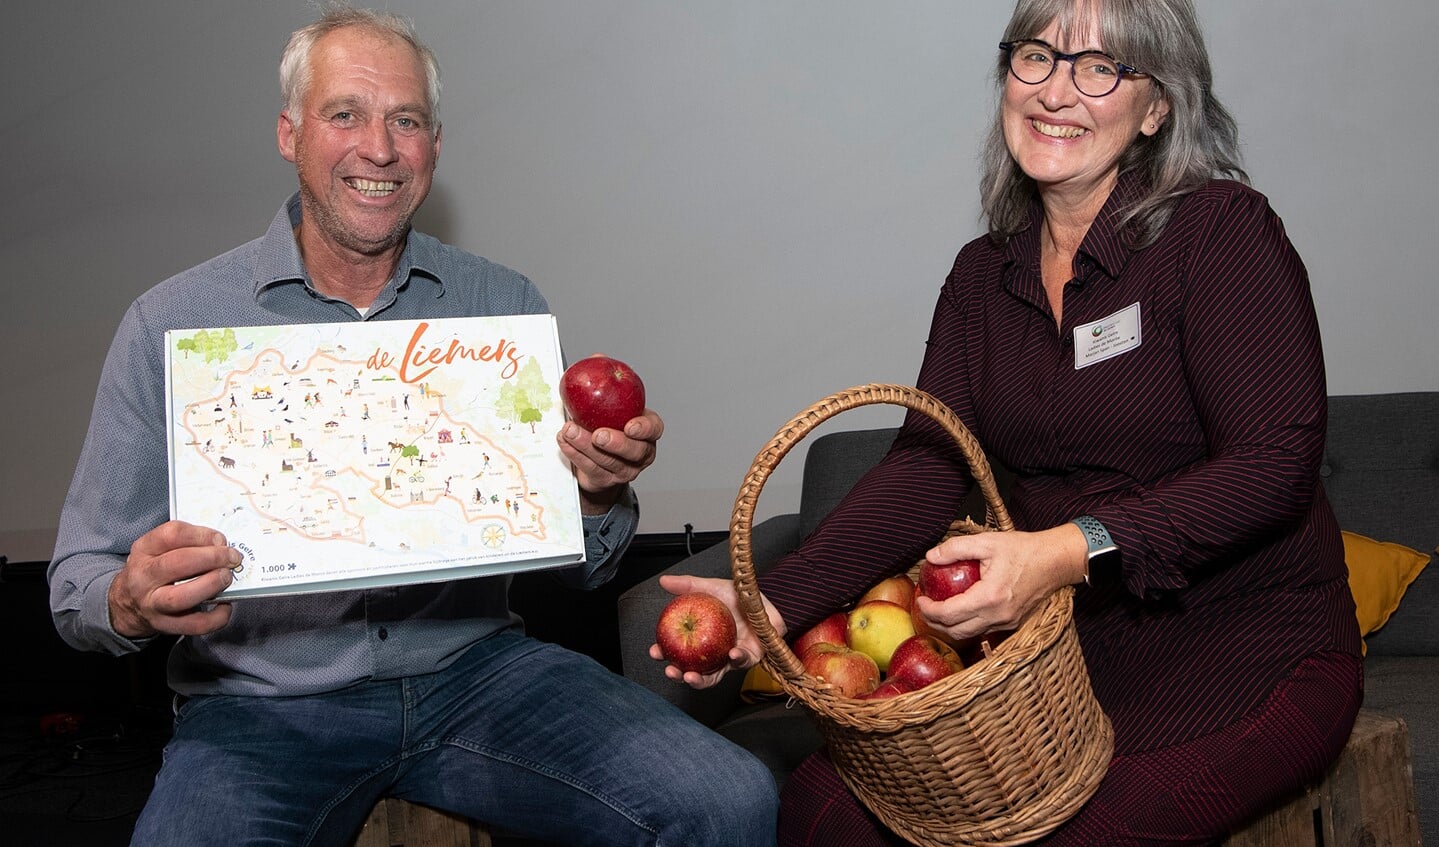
{"points": [[1018, 572]]}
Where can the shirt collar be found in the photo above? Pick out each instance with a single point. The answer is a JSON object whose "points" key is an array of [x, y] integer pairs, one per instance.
{"points": [[1103, 245], [279, 256]]}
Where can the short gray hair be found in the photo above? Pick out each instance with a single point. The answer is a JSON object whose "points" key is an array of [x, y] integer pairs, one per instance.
{"points": [[1198, 141], [295, 69]]}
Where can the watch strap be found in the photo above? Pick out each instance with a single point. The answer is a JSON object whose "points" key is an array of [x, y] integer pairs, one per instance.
{"points": [[1097, 538]]}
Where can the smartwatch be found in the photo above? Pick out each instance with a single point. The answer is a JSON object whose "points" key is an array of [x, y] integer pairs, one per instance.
{"points": [[1102, 549]]}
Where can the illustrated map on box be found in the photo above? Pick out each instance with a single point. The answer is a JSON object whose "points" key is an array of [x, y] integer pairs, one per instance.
{"points": [[356, 455]]}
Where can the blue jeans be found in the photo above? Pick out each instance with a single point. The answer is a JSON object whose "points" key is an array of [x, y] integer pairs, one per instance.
{"points": [[523, 735]]}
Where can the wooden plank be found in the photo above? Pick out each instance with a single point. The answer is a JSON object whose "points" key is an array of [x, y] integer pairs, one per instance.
{"points": [[397, 823], [426, 827], [376, 831], [1369, 793], [1291, 825], [1365, 800]]}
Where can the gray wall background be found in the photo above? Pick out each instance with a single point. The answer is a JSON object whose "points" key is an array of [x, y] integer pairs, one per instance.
{"points": [[752, 202]]}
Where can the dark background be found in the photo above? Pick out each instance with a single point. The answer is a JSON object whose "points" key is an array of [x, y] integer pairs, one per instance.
{"points": [[81, 733]]}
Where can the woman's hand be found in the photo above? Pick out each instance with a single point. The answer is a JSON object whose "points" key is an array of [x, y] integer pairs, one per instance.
{"points": [[748, 649], [1018, 572]]}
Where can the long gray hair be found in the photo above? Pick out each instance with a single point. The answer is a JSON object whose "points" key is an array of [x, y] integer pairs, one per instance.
{"points": [[1198, 141], [295, 69]]}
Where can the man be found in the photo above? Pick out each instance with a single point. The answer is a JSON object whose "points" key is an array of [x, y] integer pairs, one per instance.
{"points": [[295, 714]]}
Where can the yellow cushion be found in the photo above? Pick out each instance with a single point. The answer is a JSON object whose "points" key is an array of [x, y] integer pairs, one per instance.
{"points": [[1379, 574]]}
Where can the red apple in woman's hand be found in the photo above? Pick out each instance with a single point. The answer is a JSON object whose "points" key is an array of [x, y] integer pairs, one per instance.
{"points": [[602, 392], [940, 582]]}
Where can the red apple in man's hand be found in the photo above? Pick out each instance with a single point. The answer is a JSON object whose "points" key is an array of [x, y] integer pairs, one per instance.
{"points": [[922, 659], [896, 589], [851, 672], [696, 632], [602, 392], [941, 582], [832, 630]]}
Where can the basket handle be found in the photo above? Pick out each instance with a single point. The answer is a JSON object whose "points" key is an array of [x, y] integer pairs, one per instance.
{"points": [[777, 652]]}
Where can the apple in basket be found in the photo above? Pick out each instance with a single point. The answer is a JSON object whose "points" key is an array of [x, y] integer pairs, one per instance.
{"points": [[876, 627], [922, 659], [887, 689], [941, 582], [896, 589], [696, 632], [602, 392], [851, 672], [832, 630]]}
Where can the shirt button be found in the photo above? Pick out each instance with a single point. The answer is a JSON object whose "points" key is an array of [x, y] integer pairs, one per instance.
{"points": [[383, 633]]}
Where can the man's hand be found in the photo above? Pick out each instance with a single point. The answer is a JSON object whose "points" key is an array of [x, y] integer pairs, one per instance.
{"points": [[171, 572], [607, 460]]}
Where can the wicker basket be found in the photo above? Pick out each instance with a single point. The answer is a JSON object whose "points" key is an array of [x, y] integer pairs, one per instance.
{"points": [[999, 754]]}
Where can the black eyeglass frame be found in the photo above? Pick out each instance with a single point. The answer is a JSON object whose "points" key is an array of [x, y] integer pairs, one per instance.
{"points": [[1073, 58]]}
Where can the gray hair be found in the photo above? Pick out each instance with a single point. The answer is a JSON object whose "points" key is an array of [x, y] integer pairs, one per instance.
{"points": [[1198, 141], [295, 69]]}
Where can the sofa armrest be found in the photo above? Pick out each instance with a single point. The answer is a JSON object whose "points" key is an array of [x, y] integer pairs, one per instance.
{"points": [[639, 608]]}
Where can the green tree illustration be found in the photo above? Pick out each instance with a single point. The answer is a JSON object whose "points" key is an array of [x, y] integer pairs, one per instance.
{"points": [[217, 345], [527, 398]]}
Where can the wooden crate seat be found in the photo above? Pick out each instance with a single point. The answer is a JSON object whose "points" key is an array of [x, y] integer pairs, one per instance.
{"points": [[1365, 800]]}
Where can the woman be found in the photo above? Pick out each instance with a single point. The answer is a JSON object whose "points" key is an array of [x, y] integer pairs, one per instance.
{"points": [[1136, 340]]}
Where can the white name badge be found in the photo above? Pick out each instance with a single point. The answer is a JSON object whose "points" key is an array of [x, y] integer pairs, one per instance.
{"points": [[1107, 337]]}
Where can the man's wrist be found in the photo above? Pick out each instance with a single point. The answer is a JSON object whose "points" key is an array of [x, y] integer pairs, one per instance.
{"points": [[599, 503], [124, 620]]}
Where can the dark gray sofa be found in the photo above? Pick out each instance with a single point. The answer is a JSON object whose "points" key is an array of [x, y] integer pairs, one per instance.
{"points": [[1381, 472]]}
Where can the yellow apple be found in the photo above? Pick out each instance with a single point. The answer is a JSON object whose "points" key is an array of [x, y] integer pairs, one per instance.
{"points": [[876, 627]]}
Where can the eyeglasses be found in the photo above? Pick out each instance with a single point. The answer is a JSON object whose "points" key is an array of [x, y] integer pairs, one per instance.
{"points": [[1095, 74]]}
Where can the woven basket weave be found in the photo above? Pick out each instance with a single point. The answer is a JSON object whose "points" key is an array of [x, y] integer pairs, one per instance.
{"points": [[998, 754]]}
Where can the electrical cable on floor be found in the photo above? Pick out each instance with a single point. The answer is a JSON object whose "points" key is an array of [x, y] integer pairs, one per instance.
{"points": [[63, 770]]}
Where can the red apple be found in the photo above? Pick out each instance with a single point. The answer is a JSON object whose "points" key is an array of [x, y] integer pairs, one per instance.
{"points": [[940, 582], [832, 630], [887, 689], [696, 632], [922, 659], [876, 627], [896, 589], [602, 392], [851, 672]]}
